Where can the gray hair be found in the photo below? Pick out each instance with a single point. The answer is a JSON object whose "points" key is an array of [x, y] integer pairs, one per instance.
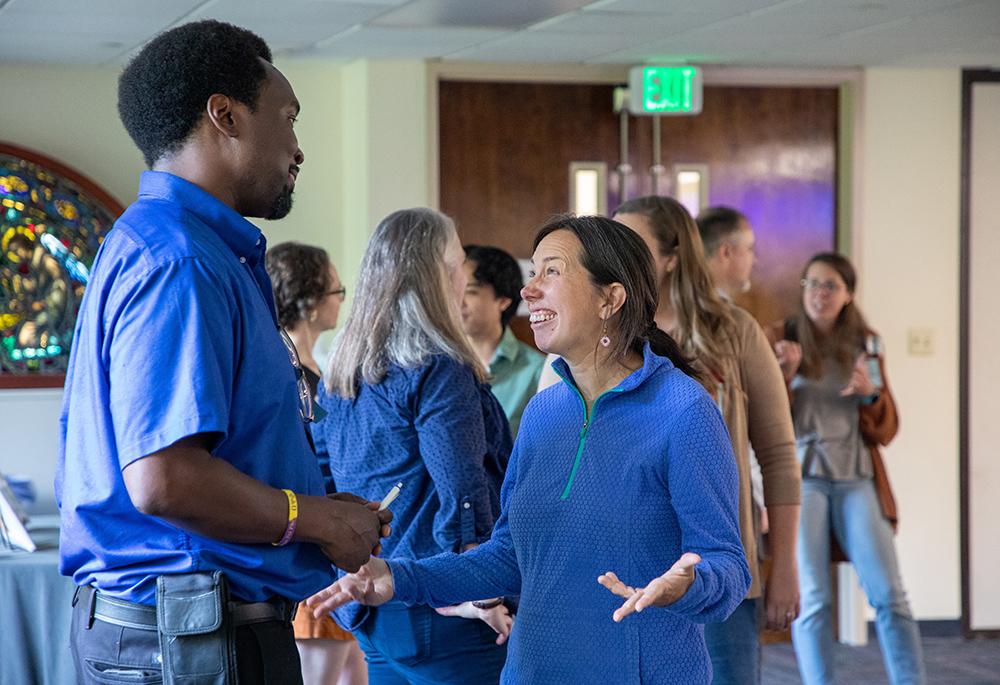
{"points": [[403, 309]]}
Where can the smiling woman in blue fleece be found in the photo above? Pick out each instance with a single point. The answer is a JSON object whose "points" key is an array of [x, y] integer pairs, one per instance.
{"points": [[622, 485]]}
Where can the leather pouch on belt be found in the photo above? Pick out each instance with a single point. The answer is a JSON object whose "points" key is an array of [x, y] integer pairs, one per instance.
{"points": [[196, 629]]}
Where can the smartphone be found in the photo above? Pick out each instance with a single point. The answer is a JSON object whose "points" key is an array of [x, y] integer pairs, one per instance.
{"points": [[873, 348]]}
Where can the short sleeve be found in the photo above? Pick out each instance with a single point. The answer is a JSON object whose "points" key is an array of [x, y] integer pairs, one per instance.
{"points": [[169, 351]]}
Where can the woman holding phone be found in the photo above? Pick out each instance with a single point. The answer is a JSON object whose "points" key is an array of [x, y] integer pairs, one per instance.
{"points": [[841, 415]]}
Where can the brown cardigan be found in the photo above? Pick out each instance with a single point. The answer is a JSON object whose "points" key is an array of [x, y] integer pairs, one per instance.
{"points": [[755, 409]]}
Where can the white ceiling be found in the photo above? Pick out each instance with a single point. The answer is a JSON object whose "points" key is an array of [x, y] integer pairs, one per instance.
{"points": [[789, 33]]}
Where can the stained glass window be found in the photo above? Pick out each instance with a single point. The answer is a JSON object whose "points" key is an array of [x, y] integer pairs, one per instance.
{"points": [[50, 229]]}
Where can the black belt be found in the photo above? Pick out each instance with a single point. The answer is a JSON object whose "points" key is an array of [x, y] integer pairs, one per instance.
{"points": [[143, 616]]}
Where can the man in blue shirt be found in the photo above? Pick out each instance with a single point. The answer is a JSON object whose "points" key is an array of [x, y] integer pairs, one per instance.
{"points": [[491, 300], [183, 447]]}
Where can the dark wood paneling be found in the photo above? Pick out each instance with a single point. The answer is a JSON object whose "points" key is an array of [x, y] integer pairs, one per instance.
{"points": [[506, 149], [505, 154]]}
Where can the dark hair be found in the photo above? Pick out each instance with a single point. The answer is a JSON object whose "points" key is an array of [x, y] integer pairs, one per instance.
{"points": [[499, 269], [612, 253], [716, 224], [702, 317], [848, 337], [163, 91], [300, 279]]}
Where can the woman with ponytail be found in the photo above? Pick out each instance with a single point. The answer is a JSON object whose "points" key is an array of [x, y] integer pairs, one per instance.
{"points": [[728, 346], [625, 468]]}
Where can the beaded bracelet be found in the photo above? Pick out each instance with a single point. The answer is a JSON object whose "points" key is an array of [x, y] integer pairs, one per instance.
{"points": [[293, 517]]}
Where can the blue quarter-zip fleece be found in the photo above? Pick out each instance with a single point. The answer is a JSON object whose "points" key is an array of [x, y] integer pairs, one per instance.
{"points": [[648, 476]]}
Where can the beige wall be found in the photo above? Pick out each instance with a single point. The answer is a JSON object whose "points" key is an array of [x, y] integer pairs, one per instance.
{"points": [[365, 133], [906, 247]]}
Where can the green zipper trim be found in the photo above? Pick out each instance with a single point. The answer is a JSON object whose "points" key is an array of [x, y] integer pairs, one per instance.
{"points": [[583, 432]]}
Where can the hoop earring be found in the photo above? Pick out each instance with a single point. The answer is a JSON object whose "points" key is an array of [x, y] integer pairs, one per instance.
{"points": [[605, 340]]}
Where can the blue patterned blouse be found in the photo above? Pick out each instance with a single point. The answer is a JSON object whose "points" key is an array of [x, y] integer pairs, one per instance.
{"points": [[439, 432]]}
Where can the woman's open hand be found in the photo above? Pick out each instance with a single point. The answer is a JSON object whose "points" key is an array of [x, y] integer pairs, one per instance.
{"points": [[371, 585], [661, 592], [498, 618]]}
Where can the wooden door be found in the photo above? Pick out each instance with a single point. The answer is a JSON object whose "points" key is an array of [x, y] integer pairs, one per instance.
{"points": [[771, 153]]}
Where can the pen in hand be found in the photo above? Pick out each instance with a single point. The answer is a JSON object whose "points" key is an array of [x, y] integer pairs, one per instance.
{"points": [[387, 500]]}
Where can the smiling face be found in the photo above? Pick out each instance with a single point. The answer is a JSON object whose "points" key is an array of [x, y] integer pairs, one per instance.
{"points": [[566, 309], [270, 156], [824, 295]]}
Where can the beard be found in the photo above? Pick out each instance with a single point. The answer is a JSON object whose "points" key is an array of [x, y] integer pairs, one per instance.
{"points": [[281, 205]]}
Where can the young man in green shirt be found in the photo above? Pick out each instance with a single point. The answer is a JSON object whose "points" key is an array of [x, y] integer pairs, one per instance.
{"points": [[491, 300]]}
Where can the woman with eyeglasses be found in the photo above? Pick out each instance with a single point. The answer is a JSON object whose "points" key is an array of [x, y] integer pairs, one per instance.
{"points": [[730, 348], [409, 404], [842, 411], [307, 296]]}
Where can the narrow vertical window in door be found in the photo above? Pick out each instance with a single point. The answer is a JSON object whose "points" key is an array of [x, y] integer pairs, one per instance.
{"points": [[691, 187], [588, 193]]}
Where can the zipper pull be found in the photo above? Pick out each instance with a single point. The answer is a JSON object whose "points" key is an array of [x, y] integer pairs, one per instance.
{"points": [[584, 429]]}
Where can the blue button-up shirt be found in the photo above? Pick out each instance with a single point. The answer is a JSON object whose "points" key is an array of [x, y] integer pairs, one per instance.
{"points": [[177, 336]]}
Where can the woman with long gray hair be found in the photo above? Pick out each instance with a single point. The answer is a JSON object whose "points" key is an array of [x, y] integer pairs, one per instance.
{"points": [[408, 405]]}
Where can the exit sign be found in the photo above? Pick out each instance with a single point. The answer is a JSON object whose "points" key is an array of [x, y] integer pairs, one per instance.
{"points": [[674, 91]]}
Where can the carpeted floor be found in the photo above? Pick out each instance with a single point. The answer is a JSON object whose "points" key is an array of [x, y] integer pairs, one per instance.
{"points": [[950, 661]]}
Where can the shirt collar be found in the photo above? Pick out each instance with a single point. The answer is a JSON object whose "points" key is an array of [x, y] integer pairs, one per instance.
{"points": [[651, 363], [243, 238], [508, 347]]}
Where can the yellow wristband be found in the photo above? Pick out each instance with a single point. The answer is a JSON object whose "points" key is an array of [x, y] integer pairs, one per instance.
{"points": [[293, 517]]}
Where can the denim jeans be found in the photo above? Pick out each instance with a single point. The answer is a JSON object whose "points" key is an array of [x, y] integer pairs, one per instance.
{"points": [[852, 509], [418, 646], [734, 646]]}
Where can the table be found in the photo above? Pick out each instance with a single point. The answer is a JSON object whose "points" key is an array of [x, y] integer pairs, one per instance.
{"points": [[35, 612]]}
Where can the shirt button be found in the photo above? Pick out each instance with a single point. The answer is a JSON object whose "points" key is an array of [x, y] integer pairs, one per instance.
{"points": [[243, 260], [466, 505]]}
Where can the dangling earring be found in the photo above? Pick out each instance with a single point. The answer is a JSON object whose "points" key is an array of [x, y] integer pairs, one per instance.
{"points": [[313, 315], [605, 340]]}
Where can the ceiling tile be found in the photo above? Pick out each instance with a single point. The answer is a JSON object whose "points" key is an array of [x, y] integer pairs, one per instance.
{"points": [[735, 32], [545, 46], [501, 14], [390, 43], [294, 24]]}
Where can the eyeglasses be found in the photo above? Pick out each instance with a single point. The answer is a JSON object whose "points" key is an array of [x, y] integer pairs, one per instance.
{"points": [[829, 287], [342, 291], [305, 394]]}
